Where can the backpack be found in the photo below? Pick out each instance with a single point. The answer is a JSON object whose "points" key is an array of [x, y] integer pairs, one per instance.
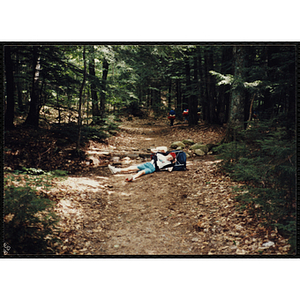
{"points": [[172, 114], [180, 164], [154, 158]]}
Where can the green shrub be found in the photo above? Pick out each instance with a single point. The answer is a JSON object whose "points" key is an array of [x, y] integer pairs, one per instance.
{"points": [[69, 133], [29, 221], [264, 160]]}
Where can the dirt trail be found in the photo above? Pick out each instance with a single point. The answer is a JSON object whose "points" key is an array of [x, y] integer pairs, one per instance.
{"points": [[178, 213]]}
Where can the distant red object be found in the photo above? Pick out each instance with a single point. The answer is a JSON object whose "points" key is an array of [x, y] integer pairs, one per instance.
{"points": [[185, 112]]}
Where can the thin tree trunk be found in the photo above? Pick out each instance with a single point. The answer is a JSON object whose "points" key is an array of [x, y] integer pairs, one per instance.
{"points": [[211, 90], [9, 114], [188, 82], [58, 106], [178, 96], [251, 108], [33, 115], [18, 84], [169, 94], [193, 101], [94, 96], [237, 107], [206, 106], [201, 83], [103, 89], [80, 100]]}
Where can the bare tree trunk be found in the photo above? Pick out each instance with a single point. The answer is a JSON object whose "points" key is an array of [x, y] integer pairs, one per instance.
{"points": [[193, 101], [237, 101], [178, 97], [18, 83], [103, 88], [169, 94], [33, 115], [94, 96], [80, 100], [251, 108], [9, 113], [58, 106]]}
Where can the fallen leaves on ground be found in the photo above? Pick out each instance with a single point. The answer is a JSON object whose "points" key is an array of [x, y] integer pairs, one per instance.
{"points": [[178, 213]]}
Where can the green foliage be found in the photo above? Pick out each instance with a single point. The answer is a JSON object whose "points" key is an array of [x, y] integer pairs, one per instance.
{"points": [[69, 133], [111, 125], [29, 221], [264, 160], [133, 108], [58, 173], [229, 79]]}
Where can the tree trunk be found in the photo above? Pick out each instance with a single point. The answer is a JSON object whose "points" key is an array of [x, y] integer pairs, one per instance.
{"points": [[94, 96], [80, 100], [201, 82], [236, 112], [193, 101], [58, 105], [33, 115], [169, 94], [224, 95], [267, 99], [206, 106], [10, 103], [187, 83], [103, 89], [18, 83], [212, 118], [178, 96]]}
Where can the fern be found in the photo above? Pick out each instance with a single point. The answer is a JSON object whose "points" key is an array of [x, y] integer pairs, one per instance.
{"points": [[264, 160]]}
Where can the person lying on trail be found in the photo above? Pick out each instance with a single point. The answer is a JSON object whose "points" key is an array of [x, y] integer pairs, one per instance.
{"points": [[159, 161]]}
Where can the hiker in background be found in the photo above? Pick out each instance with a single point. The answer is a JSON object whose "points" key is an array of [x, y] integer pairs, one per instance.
{"points": [[185, 114], [172, 116], [255, 115], [158, 162]]}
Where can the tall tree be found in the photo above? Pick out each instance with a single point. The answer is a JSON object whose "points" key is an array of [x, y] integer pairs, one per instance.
{"points": [[103, 88], [80, 98], [94, 96], [187, 82], [193, 100], [226, 68], [178, 94], [10, 103], [236, 111], [18, 81], [33, 115]]}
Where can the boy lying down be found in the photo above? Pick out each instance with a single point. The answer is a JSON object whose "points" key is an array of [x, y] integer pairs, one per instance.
{"points": [[160, 161]]}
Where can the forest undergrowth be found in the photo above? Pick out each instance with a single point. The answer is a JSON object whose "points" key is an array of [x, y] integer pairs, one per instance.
{"points": [[193, 212]]}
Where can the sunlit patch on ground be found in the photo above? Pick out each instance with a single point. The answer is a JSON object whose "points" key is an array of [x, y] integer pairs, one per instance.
{"points": [[84, 183]]}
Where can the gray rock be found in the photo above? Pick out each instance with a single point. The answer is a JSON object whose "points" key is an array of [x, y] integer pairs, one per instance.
{"points": [[179, 148], [188, 142], [199, 152], [202, 147], [177, 144]]}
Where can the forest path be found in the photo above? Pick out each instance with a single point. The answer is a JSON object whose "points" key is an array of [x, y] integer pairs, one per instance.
{"points": [[177, 213]]}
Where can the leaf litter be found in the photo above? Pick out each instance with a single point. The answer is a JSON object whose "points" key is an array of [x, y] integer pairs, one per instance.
{"points": [[177, 213]]}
